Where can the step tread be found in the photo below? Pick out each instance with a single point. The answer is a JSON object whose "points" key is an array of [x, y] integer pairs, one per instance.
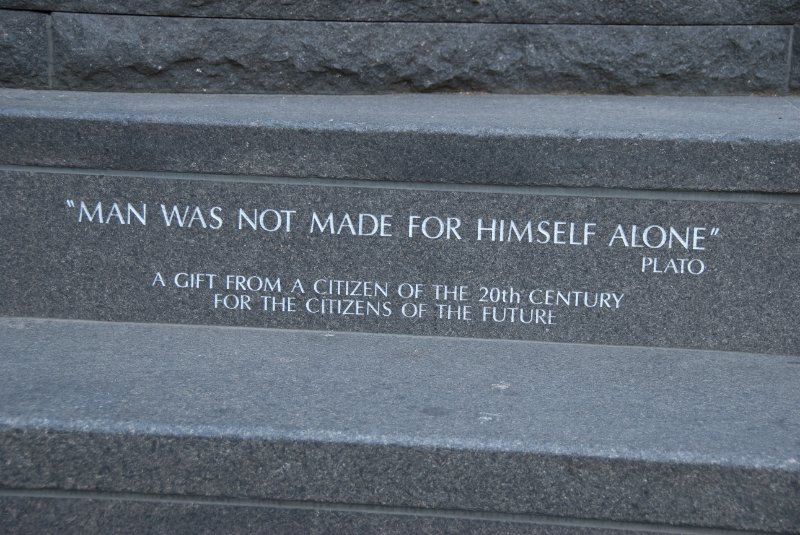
{"points": [[683, 143], [683, 437], [669, 405]]}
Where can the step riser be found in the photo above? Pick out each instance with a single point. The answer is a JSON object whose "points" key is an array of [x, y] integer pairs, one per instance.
{"points": [[493, 265], [129, 53], [560, 486], [113, 514]]}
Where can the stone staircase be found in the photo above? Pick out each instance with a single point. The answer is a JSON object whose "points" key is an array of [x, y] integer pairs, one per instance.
{"points": [[438, 267]]}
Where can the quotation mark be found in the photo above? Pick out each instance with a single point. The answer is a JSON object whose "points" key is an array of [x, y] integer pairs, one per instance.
{"points": [[715, 231], [70, 203]]}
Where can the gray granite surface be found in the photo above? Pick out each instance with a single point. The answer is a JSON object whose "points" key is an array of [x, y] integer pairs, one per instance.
{"points": [[536, 11], [718, 144], [572, 431], [23, 49], [794, 77], [74, 513], [706, 274], [124, 53]]}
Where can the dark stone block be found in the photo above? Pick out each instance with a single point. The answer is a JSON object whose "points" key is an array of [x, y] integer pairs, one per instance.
{"points": [[662, 272], [100, 52], [687, 438], [516, 11], [794, 78], [698, 144], [23, 49], [110, 514]]}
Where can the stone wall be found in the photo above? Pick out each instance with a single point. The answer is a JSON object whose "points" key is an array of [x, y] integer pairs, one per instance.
{"points": [[363, 47]]}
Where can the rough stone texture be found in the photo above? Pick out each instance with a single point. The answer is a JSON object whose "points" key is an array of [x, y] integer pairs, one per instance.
{"points": [[101, 52], [794, 77], [572, 431], [523, 11], [23, 49], [75, 514], [717, 144], [746, 266]]}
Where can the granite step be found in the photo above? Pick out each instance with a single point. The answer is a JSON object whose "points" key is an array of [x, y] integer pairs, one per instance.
{"points": [[300, 429], [730, 144], [172, 408], [711, 193]]}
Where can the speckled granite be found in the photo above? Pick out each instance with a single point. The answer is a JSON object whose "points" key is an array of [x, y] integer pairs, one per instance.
{"points": [[24, 45], [111, 514], [705, 144], [164, 428], [620, 434], [541, 11], [794, 77], [123, 53], [446, 263]]}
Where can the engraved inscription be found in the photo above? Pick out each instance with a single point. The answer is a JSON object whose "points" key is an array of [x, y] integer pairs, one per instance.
{"points": [[662, 271]]}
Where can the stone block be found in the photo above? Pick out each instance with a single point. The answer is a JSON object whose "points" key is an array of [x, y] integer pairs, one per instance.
{"points": [[123, 53], [24, 49], [75, 513], [732, 144], [794, 77], [665, 271], [511, 11]]}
